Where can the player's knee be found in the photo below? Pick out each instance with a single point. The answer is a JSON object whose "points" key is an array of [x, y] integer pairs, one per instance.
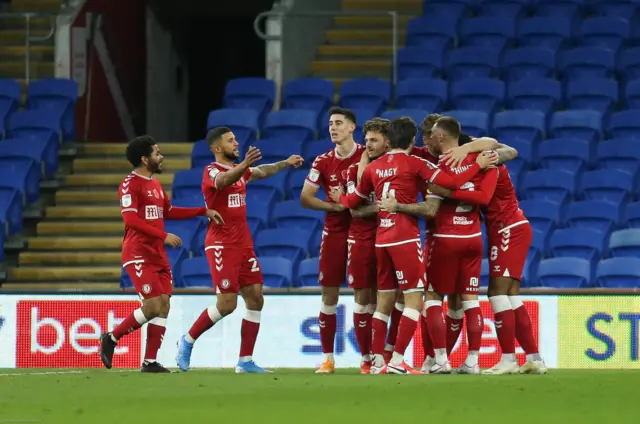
{"points": [[254, 303], [498, 286], [330, 297], [153, 308], [362, 297], [226, 304]]}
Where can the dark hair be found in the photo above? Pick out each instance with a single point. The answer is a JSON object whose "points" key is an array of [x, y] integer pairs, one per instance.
{"points": [[139, 147], [379, 125], [464, 139], [216, 134], [336, 110], [449, 125], [402, 130], [427, 123]]}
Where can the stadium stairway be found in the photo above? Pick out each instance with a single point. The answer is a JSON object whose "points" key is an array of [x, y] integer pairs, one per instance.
{"points": [[361, 46], [77, 244], [12, 41]]}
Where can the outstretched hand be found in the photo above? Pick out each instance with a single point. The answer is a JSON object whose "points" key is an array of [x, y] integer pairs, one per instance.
{"points": [[453, 157], [252, 156], [388, 204], [215, 217], [295, 161]]}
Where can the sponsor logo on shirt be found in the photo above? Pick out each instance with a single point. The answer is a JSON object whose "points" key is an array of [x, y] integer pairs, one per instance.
{"points": [[237, 200], [386, 223], [462, 220], [152, 212], [125, 200]]}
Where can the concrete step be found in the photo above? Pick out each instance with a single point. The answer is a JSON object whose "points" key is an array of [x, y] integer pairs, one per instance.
{"points": [[120, 164], [70, 258], [18, 36], [364, 36], [351, 68], [38, 52], [58, 273], [39, 69], [118, 149], [19, 23], [92, 180], [60, 286], [84, 197], [74, 243], [42, 6], [83, 212], [406, 6], [328, 51], [80, 228], [370, 21]]}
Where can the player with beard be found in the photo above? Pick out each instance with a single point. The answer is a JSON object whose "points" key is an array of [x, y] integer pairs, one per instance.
{"points": [[229, 248], [144, 206], [329, 170], [361, 257]]}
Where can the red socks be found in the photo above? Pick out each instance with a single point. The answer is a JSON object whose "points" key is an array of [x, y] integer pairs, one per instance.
{"points": [[362, 326], [205, 321], [454, 321], [475, 324], [249, 334], [523, 327], [505, 323], [378, 332], [129, 325], [426, 338], [327, 324], [396, 316], [155, 335], [436, 324], [406, 329]]}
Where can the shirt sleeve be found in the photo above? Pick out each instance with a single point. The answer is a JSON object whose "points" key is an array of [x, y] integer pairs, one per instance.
{"points": [[360, 193], [453, 182], [482, 196], [315, 177], [128, 197]]}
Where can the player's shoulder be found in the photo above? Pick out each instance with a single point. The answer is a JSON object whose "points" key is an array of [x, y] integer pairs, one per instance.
{"points": [[422, 161], [130, 181], [213, 169], [323, 158]]}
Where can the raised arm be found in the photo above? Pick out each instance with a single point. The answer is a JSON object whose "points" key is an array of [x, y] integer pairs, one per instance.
{"points": [[451, 182], [453, 157], [225, 179], [482, 196], [267, 170], [506, 153]]}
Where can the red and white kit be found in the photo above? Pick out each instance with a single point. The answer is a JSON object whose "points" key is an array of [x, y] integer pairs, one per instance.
{"points": [[328, 171], [399, 251], [229, 247], [508, 230], [361, 258], [143, 252], [455, 252]]}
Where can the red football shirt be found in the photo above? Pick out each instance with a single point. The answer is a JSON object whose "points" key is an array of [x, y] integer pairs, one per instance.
{"points": [[400, 175], [231, 204], [146, 197], [330, 170], [361, 228], [456, 219], [503, 209]]}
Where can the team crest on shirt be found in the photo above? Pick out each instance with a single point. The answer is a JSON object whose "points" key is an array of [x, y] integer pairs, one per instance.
{"points": [[320, 276], [333, 177], [225, 284], [350, 279], [314, 174], [125, 200], [146, 289], [344, 174]]}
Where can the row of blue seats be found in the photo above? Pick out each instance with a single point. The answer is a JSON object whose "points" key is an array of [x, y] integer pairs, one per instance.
{"points": [[54, 97], [588, 243]]}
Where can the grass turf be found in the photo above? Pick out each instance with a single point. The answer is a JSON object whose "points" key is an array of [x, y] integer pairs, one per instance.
{"points": [[299, 396]]}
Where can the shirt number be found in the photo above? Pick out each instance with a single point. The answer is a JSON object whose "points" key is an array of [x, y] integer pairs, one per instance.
{"points": [[387, 190]]}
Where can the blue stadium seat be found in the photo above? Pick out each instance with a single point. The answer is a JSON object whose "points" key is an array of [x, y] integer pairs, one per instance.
{"points": [[632, 94], [617, 273], [626, 9], [290, 124], [549, 184], [243, 122], [450, 10], [599, 94], [629, 63], [495, 32], [195, 273], [284, 243], [201, 155], [565, 273], [195, 201], [527, 154], [587, 62], [58, 95], [569, 155], [632, 215], [257, 94], [604, 31], [176, 256], [42, 128], [550, 32], [578, 243], [625, 243], [277, 149], [419, 62], [593, 215], [187, 184], [22, 174], [584, 124], [437, 33], [290, 214], [186, 230], [315, 94], [625, 124], [528, 62], [201, 236], [513, 9], [277, 272], [568, 8], [475, 123], [607, 185], [484, 273], [416, 114], [422, 93], [308, 273], [621, 154], [539, 240], [258, 216], [295, 181], [526, 126], [275, 183], [516, 168], [543, 215], [530, 267], [37, 150], [10, 211], [365, 93], [483, 94], [314, 149], [472, 62], [10, 97], [543, 94]]}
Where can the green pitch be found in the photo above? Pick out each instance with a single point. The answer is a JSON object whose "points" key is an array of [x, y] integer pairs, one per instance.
{"points": [[301, 397]]}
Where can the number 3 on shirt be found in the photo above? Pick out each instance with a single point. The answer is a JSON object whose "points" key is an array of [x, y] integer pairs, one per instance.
{"points": [[387, 190], [464, 207]]}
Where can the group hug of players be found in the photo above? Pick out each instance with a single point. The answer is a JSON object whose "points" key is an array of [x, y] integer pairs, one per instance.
{"points": [[376, 193]]}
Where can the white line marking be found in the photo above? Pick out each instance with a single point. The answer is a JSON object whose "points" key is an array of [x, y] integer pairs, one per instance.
{"points": [[65, 372]]}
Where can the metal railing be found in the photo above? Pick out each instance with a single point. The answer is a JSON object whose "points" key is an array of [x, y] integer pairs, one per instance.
{"points": [[29, 38], [282, 15]]}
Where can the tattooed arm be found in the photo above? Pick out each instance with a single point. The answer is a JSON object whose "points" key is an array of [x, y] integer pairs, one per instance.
{"points": [[270, 169], [364, 211], [428, 208]]}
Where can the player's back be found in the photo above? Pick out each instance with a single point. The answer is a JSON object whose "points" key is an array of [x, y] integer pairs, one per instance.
{"points": [[397, 174], [231, 204], [454, 218], [503, 208]]}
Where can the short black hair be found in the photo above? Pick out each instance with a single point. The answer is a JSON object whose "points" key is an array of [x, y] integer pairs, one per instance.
{"points": [[401, 132], [139, 147], [348, 113], [215, 134], [464, 139]]}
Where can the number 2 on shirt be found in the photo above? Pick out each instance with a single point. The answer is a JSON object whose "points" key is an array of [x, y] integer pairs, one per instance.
{"points": [[387, 190]]}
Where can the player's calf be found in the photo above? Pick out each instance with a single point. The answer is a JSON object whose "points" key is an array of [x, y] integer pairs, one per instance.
{"points": [[108, 341], [406, 330]]}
